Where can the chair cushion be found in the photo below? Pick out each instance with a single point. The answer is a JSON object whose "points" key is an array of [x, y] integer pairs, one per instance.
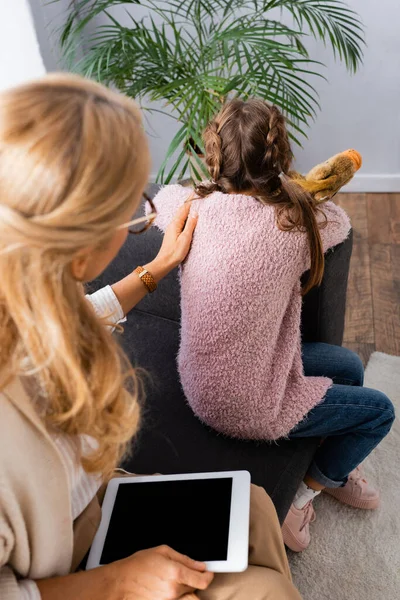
{"points": [[173, 440]]}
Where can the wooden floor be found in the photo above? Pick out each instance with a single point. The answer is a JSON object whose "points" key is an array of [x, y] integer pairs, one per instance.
{"points": [[373, 302]]}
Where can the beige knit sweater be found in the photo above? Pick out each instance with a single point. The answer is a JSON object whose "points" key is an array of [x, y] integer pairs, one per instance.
{"points": [[37, 536]]}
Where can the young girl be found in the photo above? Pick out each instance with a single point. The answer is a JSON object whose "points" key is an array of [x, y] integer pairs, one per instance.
{"points": [[74, 163], [241, 362]]}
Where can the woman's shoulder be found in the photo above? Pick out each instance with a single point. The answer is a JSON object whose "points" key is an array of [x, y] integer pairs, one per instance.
{"points": [[18, 407]]}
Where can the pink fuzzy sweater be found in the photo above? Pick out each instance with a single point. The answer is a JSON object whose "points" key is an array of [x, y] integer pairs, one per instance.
{"points": [[240, 354]]}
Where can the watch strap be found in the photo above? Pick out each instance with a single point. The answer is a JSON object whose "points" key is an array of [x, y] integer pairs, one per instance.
{"points": [[146, 278]]}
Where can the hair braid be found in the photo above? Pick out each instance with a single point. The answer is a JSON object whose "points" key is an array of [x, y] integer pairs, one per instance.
{"points": [[248, 151], [213, 148], [278, 155], [272, 151]]}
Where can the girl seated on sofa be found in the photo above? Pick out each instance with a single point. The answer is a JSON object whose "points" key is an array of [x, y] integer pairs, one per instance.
{"points": [[242, 365]]}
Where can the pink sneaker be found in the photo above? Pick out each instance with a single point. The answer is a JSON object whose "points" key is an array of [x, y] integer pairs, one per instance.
{"points": [[296, 527], [357, 492]]}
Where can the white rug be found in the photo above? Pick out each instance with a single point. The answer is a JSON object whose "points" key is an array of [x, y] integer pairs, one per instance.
{"points": [[354, 554]]}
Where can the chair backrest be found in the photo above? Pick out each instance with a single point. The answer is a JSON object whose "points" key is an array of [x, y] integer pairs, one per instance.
{"points": [[324, 308], [323, 311]]}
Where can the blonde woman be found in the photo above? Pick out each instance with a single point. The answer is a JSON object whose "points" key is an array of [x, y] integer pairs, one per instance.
{"points": [[74, 163]]}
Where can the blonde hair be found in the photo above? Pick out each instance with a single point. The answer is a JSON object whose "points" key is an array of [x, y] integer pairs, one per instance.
{"points": [[73, 158]]}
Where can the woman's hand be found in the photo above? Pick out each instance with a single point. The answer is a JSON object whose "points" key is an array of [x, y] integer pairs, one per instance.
{"points": [[177, 239], [155, 574], [159, 573], [174, 249]]}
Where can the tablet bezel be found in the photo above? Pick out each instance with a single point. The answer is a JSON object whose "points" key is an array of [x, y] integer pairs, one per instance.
{"points": [[238, 537]]}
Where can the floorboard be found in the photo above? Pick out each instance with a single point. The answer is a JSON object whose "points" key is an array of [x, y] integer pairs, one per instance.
{"points": [[359, 326], [373, 302], [385, 266], [383, 218]]}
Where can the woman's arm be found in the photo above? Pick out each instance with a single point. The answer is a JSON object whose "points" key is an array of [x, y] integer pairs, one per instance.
{"points": [[156, 573], [85, 585], [174, 249]]}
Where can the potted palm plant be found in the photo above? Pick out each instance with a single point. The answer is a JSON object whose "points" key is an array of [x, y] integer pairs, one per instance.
{"points": [[193, 54]]}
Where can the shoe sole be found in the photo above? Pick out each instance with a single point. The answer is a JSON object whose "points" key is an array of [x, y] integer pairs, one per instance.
{"points": [[291, 541], [371, 504]]}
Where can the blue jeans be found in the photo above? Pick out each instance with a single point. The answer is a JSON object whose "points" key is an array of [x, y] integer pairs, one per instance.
{"points": [[351, 419]]}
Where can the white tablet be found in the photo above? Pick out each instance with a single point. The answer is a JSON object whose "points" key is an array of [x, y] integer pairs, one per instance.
{"points": [[202, 515]]}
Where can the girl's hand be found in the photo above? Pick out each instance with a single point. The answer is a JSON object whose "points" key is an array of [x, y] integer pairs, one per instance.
{"points": [[159, 573], [177, 238]]}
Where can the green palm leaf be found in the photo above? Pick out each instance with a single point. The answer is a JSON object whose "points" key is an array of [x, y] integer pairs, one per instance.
{"points": [[191, 55]]}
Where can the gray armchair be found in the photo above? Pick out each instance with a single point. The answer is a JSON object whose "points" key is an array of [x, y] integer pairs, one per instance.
{"points": [[172, 439]]}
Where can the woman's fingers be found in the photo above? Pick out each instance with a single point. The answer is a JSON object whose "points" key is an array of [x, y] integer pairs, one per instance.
{"points": [[181, 558], [184, 239], [194, 579], [178, 238], [190, 225], [182, 215], [186, 571]]}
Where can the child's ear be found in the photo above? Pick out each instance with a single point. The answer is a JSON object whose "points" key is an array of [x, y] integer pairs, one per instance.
{"points": [[79, 265]]}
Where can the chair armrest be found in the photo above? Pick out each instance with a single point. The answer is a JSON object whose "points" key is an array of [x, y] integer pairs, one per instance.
{"points": [[323, 312]]}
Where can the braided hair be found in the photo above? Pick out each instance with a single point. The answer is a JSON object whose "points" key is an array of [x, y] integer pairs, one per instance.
{"points": [[247, 150]]}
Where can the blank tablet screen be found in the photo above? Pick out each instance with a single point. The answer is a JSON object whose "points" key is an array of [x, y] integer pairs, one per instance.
{"points": [[190, 516]]}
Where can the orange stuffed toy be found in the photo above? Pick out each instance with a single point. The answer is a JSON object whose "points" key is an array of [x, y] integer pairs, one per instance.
{"points": [[327, 178]]}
